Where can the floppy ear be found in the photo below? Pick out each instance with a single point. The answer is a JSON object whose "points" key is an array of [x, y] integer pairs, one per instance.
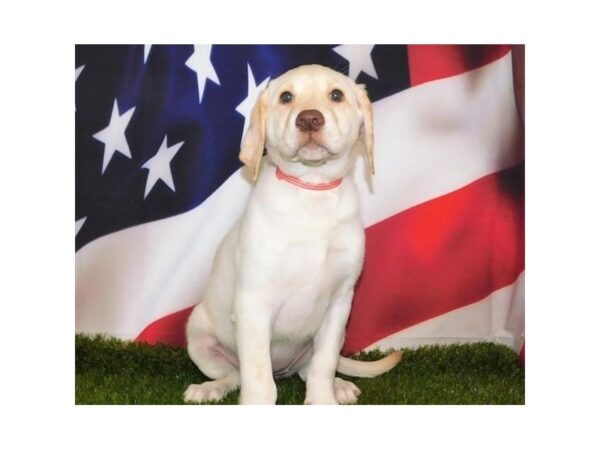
{"points": [[367, 128], [253, 143]]}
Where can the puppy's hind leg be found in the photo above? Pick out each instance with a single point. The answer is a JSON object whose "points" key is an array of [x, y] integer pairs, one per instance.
{"points": [[216, 362]]}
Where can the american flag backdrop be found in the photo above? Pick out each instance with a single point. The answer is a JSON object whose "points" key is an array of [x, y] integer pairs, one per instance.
{"points": [[158, 184]]}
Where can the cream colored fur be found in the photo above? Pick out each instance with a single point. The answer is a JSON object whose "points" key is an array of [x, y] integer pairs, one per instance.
{"points": [[283, 278]]}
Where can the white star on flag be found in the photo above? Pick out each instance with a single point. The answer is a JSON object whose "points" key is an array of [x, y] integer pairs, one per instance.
{"points": [[359, 57], [200, 63], [79, 224], [147, 48], [113, 136], [159, 166], [245, 108], [78, 71]]}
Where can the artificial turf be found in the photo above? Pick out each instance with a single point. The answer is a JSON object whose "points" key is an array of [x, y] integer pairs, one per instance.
{"points": [[109, 371]]}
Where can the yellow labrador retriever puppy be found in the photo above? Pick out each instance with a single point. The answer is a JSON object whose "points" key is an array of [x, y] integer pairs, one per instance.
{"points": [[282, 282]]}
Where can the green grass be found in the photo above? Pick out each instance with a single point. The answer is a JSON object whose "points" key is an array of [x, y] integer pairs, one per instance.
{"points": [[109, 371]]}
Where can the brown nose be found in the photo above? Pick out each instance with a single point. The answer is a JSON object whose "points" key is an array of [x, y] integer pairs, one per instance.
{"points": [[310, 120]]}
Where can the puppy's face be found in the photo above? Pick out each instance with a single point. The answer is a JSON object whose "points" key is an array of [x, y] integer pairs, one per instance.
{"points": [[311, 116]]}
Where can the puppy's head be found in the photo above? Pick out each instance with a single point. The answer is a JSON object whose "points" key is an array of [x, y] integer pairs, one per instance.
{"points": [[309, 117]]}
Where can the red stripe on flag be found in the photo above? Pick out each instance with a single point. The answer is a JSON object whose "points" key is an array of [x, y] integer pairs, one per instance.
{"points": [[168, 330], [432, 62], [441, 255]]}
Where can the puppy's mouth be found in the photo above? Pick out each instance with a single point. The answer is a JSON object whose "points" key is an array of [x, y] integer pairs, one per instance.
{"points": [[312, 153]]}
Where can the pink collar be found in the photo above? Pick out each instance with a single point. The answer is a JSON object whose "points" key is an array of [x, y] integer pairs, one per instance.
{"points": [[303, 184]]}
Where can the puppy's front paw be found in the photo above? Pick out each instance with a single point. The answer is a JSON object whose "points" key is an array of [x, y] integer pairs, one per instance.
{"points": [[205, 392], [346, 392]]}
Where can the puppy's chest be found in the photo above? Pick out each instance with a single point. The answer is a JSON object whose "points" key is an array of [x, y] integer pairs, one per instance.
{"points": [[311, 266], [310, 269], [306, 247], [315, 252]]}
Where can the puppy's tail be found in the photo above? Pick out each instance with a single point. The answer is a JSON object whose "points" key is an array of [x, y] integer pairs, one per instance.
{"points": [[368, 369]]}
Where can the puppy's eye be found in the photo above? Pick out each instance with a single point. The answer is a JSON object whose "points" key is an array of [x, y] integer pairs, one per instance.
{"points": [[286, 97], [336, 95]]}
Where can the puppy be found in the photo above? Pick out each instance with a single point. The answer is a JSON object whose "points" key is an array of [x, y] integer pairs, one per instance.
{"points": [[281, 286]]}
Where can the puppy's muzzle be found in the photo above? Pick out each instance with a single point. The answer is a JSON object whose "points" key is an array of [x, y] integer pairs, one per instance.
{"points": [[310, 120]]}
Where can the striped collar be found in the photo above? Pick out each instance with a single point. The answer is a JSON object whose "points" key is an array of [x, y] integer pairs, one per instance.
{"points": [[304, 185]]}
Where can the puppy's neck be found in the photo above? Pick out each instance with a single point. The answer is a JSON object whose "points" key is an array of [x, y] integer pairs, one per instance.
{"points": [[333, 171], [281, 175]]}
